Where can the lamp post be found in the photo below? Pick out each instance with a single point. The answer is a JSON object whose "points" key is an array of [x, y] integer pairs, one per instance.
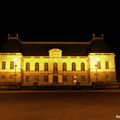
{"points": [[15, 60], [74, 78], [96, 72], [15, 72], [77, 83]]}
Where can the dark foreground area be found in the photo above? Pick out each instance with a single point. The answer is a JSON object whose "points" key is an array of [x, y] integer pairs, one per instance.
{"points": [[60, 105]]}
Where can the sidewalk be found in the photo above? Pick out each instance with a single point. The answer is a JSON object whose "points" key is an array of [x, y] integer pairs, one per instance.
{"points": [[56, 91]]}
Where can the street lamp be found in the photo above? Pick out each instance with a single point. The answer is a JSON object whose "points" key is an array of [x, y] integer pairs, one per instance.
{"points": [[75, 78], [96, 66], [76, 81], [96, 73]]}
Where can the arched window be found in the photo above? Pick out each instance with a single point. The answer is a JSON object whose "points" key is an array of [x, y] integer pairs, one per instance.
{"points": [[82, 66], [45, 66], [73, 66], [36, 66], [27, 66], [55, 66], [64, 66]]}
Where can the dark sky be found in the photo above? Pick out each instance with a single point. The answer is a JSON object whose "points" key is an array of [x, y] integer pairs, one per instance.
{"points": [[111, 38]]}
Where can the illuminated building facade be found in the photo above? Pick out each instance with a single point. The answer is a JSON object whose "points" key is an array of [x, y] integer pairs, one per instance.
{"points": [[56, 63]]}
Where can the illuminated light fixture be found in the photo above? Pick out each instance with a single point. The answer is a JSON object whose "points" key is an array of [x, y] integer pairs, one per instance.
{"points": [[97, 59], [75, 81], [74, 78], [15, 59]]}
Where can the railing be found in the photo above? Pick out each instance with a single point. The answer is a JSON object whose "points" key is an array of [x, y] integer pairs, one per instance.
{"points": [[105, 85], [10, 85]]}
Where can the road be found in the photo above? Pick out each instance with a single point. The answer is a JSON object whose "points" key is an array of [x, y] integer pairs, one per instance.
{"points": [[65, 105]]}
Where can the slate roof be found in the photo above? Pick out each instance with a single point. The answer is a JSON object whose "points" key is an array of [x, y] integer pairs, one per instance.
{"points": [[42, 49], [11, 46], [99, 46]]}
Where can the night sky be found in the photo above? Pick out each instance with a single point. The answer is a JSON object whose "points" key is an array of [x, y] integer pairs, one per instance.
{"points": [[111, 38]]}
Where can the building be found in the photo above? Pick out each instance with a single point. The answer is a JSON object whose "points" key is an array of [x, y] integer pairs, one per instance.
{"points": [[56, 63]]}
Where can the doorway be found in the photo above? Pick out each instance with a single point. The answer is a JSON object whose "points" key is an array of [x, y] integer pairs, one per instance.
{"points": [[55, 79]]}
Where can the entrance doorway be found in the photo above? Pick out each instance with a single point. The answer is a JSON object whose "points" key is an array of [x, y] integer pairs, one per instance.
{"points": [[55, 79]]}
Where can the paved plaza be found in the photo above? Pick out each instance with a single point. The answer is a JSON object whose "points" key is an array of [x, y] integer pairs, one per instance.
{"points": [[60, 105]]}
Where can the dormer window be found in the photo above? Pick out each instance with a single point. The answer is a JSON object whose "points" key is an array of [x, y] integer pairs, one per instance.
{"points": [[55, 53]]}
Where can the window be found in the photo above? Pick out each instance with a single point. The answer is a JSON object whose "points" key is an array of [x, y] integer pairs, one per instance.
{"points": [[64, 78], [55, 53], [107, 77], [3, 77], [83, 78], [82, 66], [12, 65], [36, 66], [45, 66], [27, 66], [27, 78], [106, 64], [37, 78], [55, 66], [64, 66], [99, 65], [3, 64], [46, 78], [73, 67], [11, 77]]}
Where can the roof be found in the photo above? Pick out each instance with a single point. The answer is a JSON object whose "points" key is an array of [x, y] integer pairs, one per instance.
{"points": [[11, 46], [43, 49], [99, 46], [96, 45]]}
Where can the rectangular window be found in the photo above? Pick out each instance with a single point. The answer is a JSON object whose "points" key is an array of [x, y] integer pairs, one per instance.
{"points": [[12, 65], [99, 65], [3, 64], [106, 64], [83, 78], [37, 78], [64, 78], [46, 78], [27, 78], [11, 77], [3, 77], [107, 77]]}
